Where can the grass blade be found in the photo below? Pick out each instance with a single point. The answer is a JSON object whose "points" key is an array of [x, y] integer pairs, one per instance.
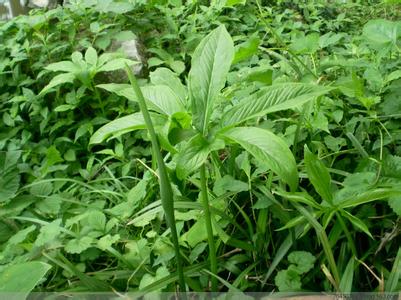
{"points": [[166, 191], [394, 277]]}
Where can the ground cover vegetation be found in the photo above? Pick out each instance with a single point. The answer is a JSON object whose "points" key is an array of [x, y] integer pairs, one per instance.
{"points": [[259, 150]]}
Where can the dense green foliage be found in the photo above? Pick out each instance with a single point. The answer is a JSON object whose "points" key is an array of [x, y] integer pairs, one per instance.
{"points": [[279, 130]]}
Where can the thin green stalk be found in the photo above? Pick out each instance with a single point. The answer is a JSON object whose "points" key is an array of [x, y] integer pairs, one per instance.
{"points": [[281, 43], [98, 98], [323, 239], [347, 234], [166, 191], [209, 229]]}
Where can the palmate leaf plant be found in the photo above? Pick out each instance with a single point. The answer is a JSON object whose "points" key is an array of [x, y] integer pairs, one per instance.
{"points": [[194, 134]]}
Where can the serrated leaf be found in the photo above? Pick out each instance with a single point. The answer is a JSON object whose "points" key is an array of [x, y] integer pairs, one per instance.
{"points": [[269, 149], [48, 233], [228, 184], [96, 219], [211, 62], [9, 184], [107, 241], [288, 281], [302, 261], [50, 205], [76, 246]]}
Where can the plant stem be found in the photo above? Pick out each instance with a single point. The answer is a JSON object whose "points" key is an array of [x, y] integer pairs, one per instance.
{"points": [[209, 229], [166, 191], [323, 239], [347, 234], [281, 42]]}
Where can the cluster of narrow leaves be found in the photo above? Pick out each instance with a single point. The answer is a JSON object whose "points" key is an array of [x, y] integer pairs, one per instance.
{"points": [[275, 130]]}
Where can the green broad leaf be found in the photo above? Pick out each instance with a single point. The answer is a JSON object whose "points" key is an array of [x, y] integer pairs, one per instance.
{"points": [[230, 3], [63, 66], [107, 241], [272, 99], [159, 98], [121, 126], [288, 281], [82, 130], [76, 246], [308, 44], [41, 189], [330, 39], [318, 175], [162, 99], [96, 219], [164, 76], [48, 233], [9, 184], [22, 278], [370, 196], [358, 223], [395, 204], [53, 156], [177, 66], [194, 154], [211, 62], [9, 175], [118, 8], [302, 261], [50, 204], [91, 56], [347, 277], [263, 75], [125, 35], [228, 184], [64, 107], [20, 236], [148, 279], [119, 89], [381, 34], [58, 80], [116, 64], [246, 49], [134, 198], [393, 76], [269, 149]]}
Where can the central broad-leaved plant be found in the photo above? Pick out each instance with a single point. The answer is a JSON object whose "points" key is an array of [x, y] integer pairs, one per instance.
{"points": [[188, 127]]}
